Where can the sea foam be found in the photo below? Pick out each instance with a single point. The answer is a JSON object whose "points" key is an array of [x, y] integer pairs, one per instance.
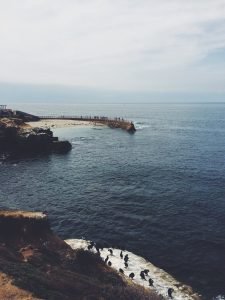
{"points": [[141, 125]]}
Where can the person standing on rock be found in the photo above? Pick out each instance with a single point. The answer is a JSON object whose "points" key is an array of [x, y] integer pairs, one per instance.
{"points": [[170, 291]]}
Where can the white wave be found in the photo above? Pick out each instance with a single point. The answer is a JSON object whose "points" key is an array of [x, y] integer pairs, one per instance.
{"points": [[219, 297], [77, 143], [141, 125], [136, 264]]}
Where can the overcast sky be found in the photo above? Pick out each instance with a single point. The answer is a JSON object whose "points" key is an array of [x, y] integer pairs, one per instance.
{"points": [[135, 45]]}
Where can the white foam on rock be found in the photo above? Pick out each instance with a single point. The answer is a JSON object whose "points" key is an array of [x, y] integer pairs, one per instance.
{"points": [[136, 264]]}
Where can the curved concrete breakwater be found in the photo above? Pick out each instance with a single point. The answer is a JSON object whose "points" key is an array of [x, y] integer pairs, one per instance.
{"points": [[162, 281], [116, 122], [110, 122]]}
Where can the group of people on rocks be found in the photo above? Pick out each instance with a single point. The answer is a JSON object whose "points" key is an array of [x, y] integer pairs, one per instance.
{"points": [[143, 273]]}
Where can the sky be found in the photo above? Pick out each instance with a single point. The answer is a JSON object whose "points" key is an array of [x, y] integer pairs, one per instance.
{"points": [[119, 46]]}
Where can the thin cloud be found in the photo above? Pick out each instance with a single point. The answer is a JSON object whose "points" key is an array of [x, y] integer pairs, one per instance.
{"points": [[128, 45]]}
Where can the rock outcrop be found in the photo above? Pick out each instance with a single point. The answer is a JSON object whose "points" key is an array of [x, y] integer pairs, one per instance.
{"points": [[25, 116], [17, 137], [125, 125], [36, 264], [131, 128]]}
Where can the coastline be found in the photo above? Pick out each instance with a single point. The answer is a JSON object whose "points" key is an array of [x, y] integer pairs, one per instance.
{"points": [[37, 264], [162, 279], [52, 123], [17, 137]]}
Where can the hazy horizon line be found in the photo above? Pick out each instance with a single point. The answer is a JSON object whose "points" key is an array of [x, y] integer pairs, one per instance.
{"points": [[10, 92]]}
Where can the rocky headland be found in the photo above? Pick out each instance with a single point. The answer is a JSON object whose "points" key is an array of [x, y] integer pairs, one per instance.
{"points": [[18, 137], [36, 264], [125, 125]]}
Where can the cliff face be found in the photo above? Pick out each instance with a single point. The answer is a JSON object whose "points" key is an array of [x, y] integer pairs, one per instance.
{"points": [[36, 264], [16, 136]]}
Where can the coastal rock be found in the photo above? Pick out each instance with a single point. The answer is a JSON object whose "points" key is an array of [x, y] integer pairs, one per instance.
{"points": [[36, 264], [16, 136], [131, 128], [61, 146], [25, 116], [125, 125]]}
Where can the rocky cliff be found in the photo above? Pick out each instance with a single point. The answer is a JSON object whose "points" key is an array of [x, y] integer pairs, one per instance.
{"points": [[16, 136], [36, 264]]}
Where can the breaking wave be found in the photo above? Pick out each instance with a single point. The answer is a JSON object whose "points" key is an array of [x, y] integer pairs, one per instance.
{"points": [[141, 125]]}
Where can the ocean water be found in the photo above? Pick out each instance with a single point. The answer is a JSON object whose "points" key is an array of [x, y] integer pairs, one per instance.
{"points": [[159, 193]]}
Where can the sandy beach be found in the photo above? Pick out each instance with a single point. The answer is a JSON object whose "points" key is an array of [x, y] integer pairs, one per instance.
{"points": [[62, 123]]}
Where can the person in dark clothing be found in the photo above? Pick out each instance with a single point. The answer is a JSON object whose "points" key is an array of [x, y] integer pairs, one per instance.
{"points": [[110, 251], [150, 282], [170, 291], [126, 258], [142, 274], [146, 271]]}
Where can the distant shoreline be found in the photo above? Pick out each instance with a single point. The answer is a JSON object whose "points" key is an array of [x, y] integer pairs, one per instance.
{"points": [[52, 123]]}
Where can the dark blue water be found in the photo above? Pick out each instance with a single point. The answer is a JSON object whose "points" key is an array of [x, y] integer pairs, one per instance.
{"points": [[160, 192]]}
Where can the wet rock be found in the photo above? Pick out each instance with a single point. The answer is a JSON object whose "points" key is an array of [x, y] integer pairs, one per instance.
{"points": [[17, 137], [131, 128], [61, 146]]}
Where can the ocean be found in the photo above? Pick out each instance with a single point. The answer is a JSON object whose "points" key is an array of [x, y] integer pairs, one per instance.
{"points": [[159, 193]]}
